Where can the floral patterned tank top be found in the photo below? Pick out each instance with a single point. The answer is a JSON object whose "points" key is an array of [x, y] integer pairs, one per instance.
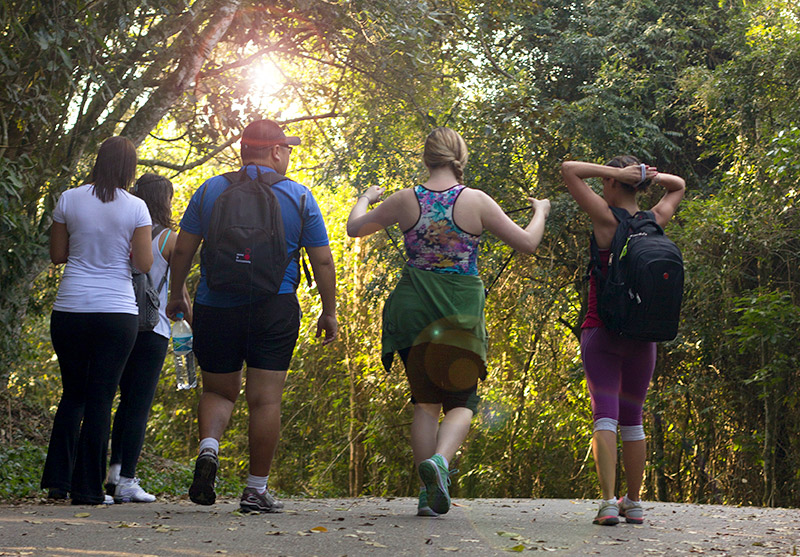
{"points": [[435, 243]]}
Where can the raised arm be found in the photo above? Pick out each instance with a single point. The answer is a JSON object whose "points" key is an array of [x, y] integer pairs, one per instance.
{"points": [[363, 222], [576, 172], [498, 223], [666, 207]]}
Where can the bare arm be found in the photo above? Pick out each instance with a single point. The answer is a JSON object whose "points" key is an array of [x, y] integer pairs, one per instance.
{"points": [[169, 248], [141, 248], [666, 207], [325, 276], [59, 243], [363, 222], [576, 172], [498, 223], [179, 264]]}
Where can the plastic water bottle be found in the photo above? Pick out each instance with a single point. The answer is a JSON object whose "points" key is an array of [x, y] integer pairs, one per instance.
{"points": [[185, 371]]}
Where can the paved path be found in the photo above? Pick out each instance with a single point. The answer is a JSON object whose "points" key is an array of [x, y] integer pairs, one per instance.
{"points": [[381, 526]]}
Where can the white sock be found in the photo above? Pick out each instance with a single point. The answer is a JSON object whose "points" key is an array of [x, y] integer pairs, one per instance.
{"points": [[209, 443], [613, 500], [259, 483], [124, 481], [113, 473]]}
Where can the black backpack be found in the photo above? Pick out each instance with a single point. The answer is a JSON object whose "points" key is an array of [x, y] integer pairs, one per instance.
{"points": [[640, 296], [245, 250], [146, 294]]}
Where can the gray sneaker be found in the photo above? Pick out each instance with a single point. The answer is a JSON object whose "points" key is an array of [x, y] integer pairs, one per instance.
{"points": [[253, 501], [607, 514], [631, 510]]}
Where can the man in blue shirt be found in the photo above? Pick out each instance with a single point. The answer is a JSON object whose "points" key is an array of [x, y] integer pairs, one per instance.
{"points": [[233, 328]]}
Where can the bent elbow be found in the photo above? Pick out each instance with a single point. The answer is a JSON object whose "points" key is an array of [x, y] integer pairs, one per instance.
{"points": [[531, 247]]}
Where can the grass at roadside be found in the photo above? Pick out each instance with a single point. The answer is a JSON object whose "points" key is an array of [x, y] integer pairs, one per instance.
{"points": [[21, 468]]}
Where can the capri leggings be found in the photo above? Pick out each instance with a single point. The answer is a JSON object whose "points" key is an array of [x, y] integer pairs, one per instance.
{"points": [[618, 372]]}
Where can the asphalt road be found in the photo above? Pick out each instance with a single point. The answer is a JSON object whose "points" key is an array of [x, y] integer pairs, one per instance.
{"points": [[381, 526]]}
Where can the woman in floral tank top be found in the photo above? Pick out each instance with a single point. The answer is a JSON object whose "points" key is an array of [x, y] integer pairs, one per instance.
{"points": [[434, 316]]}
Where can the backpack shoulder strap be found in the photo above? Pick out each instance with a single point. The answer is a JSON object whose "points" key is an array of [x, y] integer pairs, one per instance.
{"points": [[622, 217], [272, 178], [299, 253], [620, 214]]}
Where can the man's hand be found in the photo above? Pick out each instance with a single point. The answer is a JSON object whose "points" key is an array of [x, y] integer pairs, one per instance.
{"points": [[329, 325], [174, 307]]}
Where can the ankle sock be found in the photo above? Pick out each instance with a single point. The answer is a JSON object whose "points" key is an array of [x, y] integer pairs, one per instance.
{"points": [[113, 473], [259, 483], [209, 443]]}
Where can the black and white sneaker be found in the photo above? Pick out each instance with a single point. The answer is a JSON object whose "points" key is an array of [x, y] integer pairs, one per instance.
{"points": [[205, 477], [253, 501]]}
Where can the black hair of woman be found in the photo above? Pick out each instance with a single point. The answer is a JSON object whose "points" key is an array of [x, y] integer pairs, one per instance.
{"points": [[156, 191], [114, 167]]}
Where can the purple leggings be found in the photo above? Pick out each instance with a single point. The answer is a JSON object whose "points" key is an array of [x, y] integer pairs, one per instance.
{"points": [[618, 372]]}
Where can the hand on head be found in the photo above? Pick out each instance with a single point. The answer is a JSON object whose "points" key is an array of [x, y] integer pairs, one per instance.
{"points": [[633, 174]]}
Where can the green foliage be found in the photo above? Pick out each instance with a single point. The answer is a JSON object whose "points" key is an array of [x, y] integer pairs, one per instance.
{"points": [[20, 470]]}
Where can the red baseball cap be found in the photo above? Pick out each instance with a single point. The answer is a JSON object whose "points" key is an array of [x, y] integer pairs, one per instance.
{"points": [[263, 133]]}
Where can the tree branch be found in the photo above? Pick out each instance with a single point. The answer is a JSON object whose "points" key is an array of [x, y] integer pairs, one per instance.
{"points": [[230, 141]]}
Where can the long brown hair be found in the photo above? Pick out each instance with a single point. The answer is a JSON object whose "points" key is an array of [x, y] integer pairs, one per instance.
{"points": [[114, 167], [156, 192]]}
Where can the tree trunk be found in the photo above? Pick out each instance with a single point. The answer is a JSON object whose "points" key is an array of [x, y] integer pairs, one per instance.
{"points": [[183, 78]]}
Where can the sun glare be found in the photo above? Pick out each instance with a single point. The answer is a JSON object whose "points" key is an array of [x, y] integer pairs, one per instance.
{"points": [[266, 81]]}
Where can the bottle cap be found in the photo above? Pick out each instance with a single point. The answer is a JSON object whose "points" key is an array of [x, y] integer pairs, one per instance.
{"points": [[179, 315]]}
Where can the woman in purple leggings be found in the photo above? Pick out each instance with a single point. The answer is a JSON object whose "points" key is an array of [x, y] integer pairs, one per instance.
{"points": [[618, 369]]}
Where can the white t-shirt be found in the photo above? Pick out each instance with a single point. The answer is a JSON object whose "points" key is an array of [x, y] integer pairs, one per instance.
{"points": [[97, 278]]}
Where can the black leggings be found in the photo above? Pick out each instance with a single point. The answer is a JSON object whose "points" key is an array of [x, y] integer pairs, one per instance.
{"points": [[92, 349], [137, 387]]}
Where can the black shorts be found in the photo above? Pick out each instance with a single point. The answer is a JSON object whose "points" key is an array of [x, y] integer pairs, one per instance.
{"points": [[442, 374], [262, 334]]}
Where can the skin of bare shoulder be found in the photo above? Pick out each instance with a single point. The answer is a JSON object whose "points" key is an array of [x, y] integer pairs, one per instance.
{"points": [[469, 209]]}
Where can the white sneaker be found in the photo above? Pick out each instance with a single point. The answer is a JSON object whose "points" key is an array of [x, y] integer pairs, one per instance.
{"points": [[128, 490]]}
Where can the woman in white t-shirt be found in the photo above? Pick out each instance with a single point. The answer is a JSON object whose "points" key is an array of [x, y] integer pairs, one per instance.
{"points": [[98, 229]]}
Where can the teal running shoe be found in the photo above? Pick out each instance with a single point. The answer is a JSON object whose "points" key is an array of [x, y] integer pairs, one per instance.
{"points": [[436, 477], [422, 508]]}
